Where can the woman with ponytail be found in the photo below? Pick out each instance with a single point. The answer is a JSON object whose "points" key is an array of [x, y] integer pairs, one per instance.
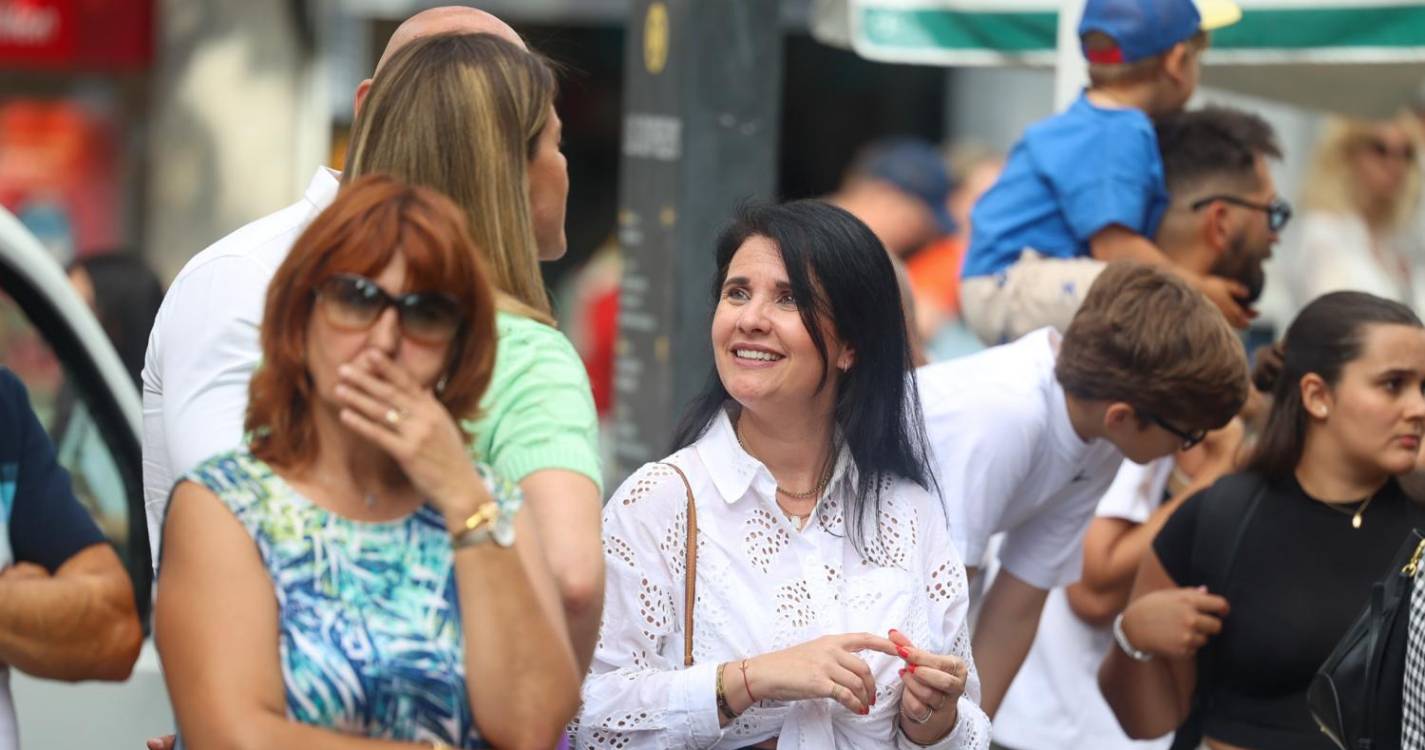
{"points": [[1252, 582]]}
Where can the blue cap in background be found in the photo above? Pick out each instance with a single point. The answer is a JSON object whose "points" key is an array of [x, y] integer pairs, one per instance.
{"points": [[914, 167]]}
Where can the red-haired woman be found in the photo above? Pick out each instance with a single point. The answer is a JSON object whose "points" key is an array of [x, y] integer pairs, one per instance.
{"points": [[352, 574]]}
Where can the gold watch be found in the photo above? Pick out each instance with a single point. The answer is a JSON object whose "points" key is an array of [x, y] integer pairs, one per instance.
{"points": [[488, 523]]}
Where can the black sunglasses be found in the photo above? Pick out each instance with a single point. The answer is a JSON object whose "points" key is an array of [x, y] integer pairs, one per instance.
{"points": [[1278, 211], [1189, 438], [355, 302]]}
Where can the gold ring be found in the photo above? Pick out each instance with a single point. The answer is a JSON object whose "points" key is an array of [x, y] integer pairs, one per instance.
{"points": [[393, 416]]}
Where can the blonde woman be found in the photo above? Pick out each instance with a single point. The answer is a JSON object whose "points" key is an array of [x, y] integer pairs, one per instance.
{"points": [[1361, 195], [473, 116]]}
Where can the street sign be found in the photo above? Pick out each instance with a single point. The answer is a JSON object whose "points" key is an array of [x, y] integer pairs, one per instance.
{"points": [[701, 111]]}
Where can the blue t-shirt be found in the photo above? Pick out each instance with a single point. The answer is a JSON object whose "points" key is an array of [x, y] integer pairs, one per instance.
{"points": [[41, 520], [1069, 177]]}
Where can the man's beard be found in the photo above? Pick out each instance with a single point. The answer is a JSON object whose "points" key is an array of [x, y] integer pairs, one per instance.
{"points": [[1243, 266]]}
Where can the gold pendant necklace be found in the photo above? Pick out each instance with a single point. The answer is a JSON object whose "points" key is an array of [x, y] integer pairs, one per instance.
{"points": [[1354, 514]]}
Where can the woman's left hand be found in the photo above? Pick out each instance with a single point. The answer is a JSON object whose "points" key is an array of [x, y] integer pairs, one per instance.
{"points": [[387, 406], [930, 692]]}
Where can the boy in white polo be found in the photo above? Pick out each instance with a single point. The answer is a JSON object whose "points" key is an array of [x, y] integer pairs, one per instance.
{"points": [[1026, 437]]}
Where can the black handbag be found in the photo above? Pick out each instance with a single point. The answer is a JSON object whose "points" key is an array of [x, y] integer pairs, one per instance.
{"points": [[1355, 696]]}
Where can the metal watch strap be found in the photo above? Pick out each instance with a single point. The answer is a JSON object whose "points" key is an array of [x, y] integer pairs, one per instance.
{"points": [[473, 537], [479, 528], [1121, 639]]}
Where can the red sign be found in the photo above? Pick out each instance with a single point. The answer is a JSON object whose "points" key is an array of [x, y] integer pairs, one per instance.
{"points": [[99, 35]]}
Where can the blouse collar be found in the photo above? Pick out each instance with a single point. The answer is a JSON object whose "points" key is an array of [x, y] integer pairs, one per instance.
{"points": [[734, 471]]}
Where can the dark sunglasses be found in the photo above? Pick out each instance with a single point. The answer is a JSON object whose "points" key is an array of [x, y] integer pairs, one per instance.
{"points": [[1405, 152], [1189, 438], [1278, 211], [355, 302]]}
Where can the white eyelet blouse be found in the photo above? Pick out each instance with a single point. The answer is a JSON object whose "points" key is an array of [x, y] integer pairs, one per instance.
{"points": [[763, 586]]}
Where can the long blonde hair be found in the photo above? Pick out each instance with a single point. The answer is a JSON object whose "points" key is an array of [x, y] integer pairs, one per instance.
{"points": [[462, 114], [1331, 184]]}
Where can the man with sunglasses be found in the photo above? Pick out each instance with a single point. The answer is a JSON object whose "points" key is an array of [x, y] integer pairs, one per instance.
{"points": [[1225, 215], [1223, 218]]}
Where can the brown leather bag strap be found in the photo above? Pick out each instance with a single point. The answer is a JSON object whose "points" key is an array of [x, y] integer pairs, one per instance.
{"points": [[690, 568]]}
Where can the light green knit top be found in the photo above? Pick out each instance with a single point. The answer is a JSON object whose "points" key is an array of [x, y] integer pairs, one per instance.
{"points": [[538, 412]]}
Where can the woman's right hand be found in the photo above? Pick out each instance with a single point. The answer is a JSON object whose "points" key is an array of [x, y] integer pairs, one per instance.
{"points": [[827, 667], [1174, 623]]}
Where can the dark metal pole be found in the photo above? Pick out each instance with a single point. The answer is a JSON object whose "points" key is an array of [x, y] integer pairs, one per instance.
{"points": [[702, 95]]}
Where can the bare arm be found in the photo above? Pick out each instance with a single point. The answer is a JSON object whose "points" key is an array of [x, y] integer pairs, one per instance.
{"points": [[1114, 548], [520, 674], [1152, 698], [564, 507], [78, 624], [216, 630], [1117, 242], [1008, 620], [1110, 546], [524, 687]]}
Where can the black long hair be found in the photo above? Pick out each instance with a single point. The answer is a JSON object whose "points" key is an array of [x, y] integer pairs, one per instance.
{"points": [[127, 294], [839, 273], [1325, 336]]}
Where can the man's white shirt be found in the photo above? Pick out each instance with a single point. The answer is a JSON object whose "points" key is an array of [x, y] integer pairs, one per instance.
{"points": [[1008, 459], [1054, 701], [204, 347]]}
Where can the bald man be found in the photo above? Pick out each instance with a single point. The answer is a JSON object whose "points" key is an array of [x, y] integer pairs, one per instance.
{"points": [[450, 19], [204, 347]]}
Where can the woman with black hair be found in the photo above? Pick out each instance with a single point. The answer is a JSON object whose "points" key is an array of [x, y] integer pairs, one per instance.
{"points": [[1269, 567], [124, 294], [830, 606]]}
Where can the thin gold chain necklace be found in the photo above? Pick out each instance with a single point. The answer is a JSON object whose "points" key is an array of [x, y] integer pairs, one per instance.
{"points": [[809, 494]]}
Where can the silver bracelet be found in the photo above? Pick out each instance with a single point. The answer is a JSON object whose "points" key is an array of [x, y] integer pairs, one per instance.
{"points": [[1122, 640]]}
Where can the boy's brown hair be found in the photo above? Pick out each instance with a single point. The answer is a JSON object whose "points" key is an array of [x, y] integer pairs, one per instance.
{"points": [[1145, 338], [1111, 74]]}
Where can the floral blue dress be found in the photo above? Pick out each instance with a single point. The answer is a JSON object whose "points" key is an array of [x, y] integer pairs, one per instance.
{"points": [[368, 617]]}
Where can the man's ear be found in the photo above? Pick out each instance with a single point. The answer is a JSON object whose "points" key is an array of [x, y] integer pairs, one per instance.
{"points": [[1118, 415], [1216, 227], [362, 89]]}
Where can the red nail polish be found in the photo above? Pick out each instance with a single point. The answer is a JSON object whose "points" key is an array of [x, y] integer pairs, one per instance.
{"points": [[865, 711], [911, 668], [901, 673], [903, 651]]}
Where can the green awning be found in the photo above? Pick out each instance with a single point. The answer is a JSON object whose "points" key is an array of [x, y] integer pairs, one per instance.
{"points": [[1295, 50]]}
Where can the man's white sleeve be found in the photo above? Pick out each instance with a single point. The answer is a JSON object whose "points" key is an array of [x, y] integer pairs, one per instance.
{"points": [[207, 348]]}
